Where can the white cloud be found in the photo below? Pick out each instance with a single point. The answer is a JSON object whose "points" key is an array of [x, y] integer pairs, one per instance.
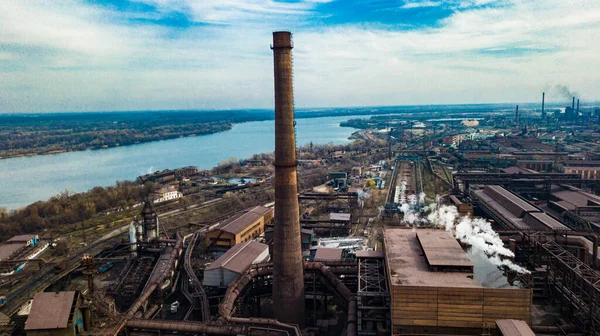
{"points": [[419, 4], [67, 56]]}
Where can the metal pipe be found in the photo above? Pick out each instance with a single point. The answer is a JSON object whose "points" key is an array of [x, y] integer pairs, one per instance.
{"points": [[288, 280], [236, 288]]}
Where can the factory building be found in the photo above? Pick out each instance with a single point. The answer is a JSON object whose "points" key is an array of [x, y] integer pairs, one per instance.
{"points": [[433, 291], [223, 271], [512, 212], [243, 227], [589, 170], [55, 314], [167, 193]]}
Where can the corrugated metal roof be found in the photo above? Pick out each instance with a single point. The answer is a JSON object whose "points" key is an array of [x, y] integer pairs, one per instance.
{"points": [[22, 238], [50, 311], [514, 328], [238, 223], [4, 320], [239, 257], [6, 250], [442, 249], [328, 253]]}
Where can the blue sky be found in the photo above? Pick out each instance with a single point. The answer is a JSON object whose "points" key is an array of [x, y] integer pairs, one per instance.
{"points": [[90, 55]]}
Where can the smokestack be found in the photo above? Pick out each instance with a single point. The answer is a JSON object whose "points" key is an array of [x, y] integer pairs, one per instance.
{"points": [[573, 105], [577, 106], [517, 116], [543, 101], [288, 270]]}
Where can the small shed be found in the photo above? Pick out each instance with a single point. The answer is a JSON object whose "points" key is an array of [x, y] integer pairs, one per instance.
{"points": [[55, 314]]}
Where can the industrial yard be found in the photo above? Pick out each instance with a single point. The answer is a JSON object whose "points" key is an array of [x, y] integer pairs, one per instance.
{"points": [[420, 226]]}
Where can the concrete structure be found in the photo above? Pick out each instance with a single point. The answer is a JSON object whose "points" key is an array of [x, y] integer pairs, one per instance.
{"points": [[167, 193], [244, 226], [450, 302], [55, 314], [589, 170], [288, 271], [223, 271]]}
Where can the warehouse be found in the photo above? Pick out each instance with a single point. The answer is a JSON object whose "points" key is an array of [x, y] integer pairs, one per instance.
{"points": [[433, 291], [230, 265], [243, 227]]}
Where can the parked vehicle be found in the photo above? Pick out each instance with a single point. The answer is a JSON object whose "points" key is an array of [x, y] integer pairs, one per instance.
{"points": [[3, 300]]}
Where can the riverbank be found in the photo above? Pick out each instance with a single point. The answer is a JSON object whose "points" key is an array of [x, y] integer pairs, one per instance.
{"points": [[25, 180]]}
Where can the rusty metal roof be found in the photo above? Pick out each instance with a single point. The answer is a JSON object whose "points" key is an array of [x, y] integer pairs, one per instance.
{"points": [[239, 257], [50, 310], [22, 238], [370, 254], [328, 253], [442, 249], [7, 250], [408, 267], [240, 222], [514, 328]]}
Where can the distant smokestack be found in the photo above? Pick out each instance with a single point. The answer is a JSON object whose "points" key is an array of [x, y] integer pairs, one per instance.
{"points": [[577, 106], [543, 101], [288, 270], [573, 105], [517, 116]]}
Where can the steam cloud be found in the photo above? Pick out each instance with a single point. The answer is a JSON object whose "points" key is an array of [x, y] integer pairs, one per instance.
{"points": [[477, 233]]}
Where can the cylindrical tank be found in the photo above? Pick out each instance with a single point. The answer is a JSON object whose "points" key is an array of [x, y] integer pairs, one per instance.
{"points": [[288, 270]]}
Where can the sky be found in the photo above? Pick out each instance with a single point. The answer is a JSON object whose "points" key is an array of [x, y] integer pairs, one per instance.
{"points": [[107, 55]]}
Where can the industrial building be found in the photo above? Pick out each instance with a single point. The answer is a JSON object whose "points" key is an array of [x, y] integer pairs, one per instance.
{"points": [[55, 314], [223, 271], [433, 291], [242, 227]]}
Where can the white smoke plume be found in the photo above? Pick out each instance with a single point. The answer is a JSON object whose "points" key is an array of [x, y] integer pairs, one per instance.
{"points": [[476, 233]]}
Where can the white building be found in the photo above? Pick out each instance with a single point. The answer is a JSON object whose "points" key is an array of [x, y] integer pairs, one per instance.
{"points": [[167, 194], [223, 271]]}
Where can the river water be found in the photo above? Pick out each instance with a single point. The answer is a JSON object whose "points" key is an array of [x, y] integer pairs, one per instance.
{"points": [[29, 179]]}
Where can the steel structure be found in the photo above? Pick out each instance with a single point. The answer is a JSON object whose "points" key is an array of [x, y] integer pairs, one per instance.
{"points": [[288, 284], [198, 293], [570, 279], [510, 181], [373, 298]]}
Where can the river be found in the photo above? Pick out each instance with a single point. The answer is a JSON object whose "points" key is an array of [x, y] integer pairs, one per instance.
{"points": [[28, 179]]}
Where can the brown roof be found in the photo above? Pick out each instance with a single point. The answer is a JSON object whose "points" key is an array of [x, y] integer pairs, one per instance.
{"points": [[50, 311], [514, 328], [22, 238], [239, 257], [370, 254], [442, 249], [240, 222], [7, 250], [408, 267], [328, 253]]}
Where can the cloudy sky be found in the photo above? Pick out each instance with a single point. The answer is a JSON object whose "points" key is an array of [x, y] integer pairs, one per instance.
{"points": [[102, 55]]}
